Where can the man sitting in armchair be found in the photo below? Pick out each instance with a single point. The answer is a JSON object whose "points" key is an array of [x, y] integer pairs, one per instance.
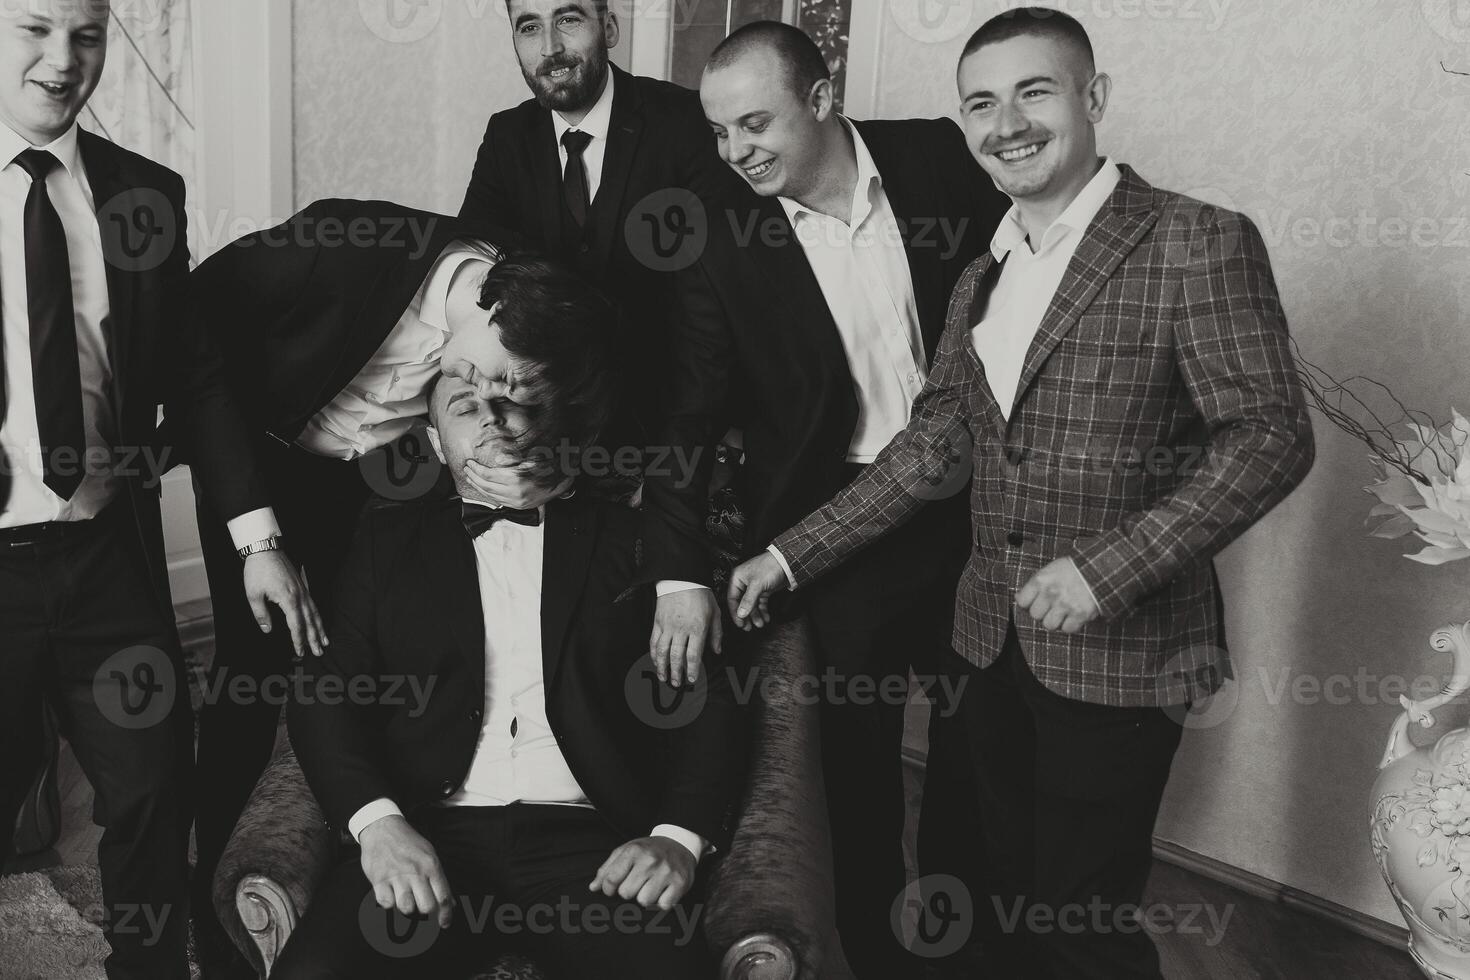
{"points": [[480, 723]]}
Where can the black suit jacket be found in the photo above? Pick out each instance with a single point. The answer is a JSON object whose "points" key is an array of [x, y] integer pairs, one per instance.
{"points": [[156, 355], [759, 347], [300, 308], [660, 150], [409, 606]]}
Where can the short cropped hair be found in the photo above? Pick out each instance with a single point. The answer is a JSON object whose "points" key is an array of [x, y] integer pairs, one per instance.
{"points": [[797, 53], [1035, 22]]}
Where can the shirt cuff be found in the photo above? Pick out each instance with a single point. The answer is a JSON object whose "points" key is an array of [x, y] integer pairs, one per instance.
{"points": [[781, 560], [1085, 583], [692, 842], [256, 526], [670, 588], [370, 814]]}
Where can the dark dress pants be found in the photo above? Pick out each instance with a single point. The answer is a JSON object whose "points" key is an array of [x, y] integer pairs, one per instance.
{"points": [[519, 875], [1068, 796], [82, 628]]}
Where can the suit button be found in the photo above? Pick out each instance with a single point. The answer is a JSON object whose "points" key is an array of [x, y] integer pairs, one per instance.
{"points": [[447, 789], [584, 248], [1015, 539], [477, 716]]}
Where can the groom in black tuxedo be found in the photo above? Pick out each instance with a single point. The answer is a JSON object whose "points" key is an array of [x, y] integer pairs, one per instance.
{"points": [[529, 773]]}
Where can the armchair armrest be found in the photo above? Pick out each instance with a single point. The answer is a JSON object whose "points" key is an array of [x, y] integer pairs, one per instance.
{"points": [[277, 856], [771, 902]]}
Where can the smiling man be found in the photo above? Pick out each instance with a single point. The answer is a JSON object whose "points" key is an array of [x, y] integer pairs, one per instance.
{"points": [[90, 344], [815, 335], [1110, 323]]}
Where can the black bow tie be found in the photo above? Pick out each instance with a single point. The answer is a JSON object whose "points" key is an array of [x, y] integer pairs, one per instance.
{"points": [[479, 518]]}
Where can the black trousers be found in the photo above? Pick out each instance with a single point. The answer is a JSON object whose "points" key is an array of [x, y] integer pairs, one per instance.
{"points": [[889, 609], [318, 502], [1068, 794], [519, 875], [81, 627]]}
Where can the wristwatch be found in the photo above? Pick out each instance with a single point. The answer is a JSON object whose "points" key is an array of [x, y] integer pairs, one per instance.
{"points": [[275, 542]]}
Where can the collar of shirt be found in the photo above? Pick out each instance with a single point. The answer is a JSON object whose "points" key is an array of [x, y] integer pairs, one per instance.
{"points": [[597, 122], [433, 310], [869, 182], [63, 148], [1078, 215]]}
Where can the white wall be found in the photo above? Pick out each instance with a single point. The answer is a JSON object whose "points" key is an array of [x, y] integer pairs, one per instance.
{"points": [[1296, 112]]}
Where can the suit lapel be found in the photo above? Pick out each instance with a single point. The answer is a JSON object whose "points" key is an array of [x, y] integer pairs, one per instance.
{"points": [[1116, 231], [570, 536], [114, 228], [447, 558], [546, 172], [974, 310], [625, 130]]}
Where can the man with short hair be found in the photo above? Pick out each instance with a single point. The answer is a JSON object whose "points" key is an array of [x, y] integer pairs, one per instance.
{"points": [[615, 175], [526, 779], [812, 318], [1111, 324], [93, 257]]}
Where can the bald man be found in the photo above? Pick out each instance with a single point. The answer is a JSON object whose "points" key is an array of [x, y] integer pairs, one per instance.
{"points": [[824, 293]]}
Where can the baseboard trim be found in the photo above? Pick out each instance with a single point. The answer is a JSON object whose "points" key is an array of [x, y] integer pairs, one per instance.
{"points": [[1367, 926]]}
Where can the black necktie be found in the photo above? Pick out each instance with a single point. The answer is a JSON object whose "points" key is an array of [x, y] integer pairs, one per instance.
{"points": [[55, 369], [574, 181], [479, 518]]}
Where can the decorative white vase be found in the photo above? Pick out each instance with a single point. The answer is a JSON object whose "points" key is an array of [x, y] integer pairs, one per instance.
{"points": [[1421, 825]]}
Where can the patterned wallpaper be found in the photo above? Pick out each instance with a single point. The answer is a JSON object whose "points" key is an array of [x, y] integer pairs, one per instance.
{"points": [[1331, 124]]}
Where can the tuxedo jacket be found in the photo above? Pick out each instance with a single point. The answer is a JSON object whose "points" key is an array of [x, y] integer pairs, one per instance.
{"points": [[409, 606], [660, 155], [300, 309], [759, 347], [1158, 416], [158, 356]]}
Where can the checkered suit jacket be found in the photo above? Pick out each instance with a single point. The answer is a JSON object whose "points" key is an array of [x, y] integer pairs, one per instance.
{"points": [[1157, 418]]}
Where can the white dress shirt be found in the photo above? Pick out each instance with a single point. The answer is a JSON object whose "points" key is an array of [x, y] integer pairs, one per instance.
{"points": [[517, 758], [596, 125], [1028, 282], [863, 270], [383, 401], [31, 501]]}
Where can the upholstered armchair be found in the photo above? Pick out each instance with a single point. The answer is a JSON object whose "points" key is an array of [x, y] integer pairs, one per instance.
{"points": [[769, 911]]}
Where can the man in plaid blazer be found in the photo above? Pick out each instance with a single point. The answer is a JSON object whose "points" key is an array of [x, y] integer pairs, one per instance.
{"points": [[1119, 374]]}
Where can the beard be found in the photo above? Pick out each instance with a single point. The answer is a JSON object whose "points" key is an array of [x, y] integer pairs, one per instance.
{"points": [[578, 91]]}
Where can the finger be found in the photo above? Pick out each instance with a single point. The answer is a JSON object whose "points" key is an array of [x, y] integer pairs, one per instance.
{"points": [[658, 648], [262, 612], [672, 894], [403, 899], [1028, 594], [1055, 617], [763, 611], [678, 648], [423, 896], [748, 601], [655, 886], [693, 657], [296, 623], [442, 896], [612, 872], [633, 884], [733, 596], [314, 618], [717, 633], [383, 894], [1074, 623]]}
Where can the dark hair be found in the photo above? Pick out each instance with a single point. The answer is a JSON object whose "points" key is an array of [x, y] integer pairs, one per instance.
{"points": [[796, 52], [564, 332], [1034, 22]]}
